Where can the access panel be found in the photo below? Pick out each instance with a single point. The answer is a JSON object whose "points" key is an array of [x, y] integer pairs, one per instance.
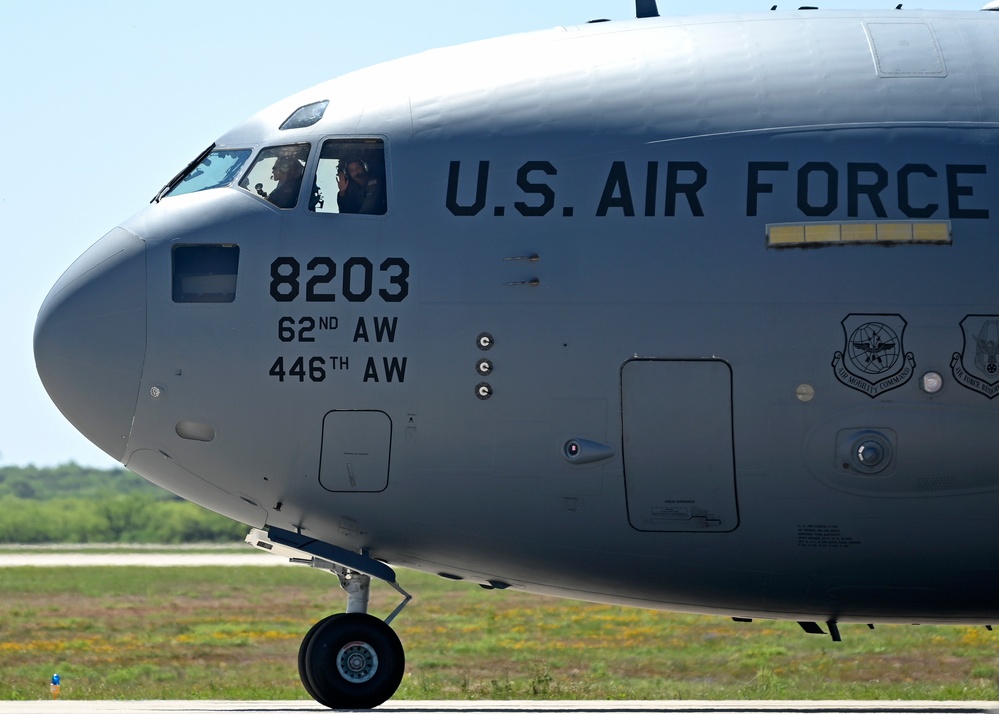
{"points": [[677, 439], [356, 451]]}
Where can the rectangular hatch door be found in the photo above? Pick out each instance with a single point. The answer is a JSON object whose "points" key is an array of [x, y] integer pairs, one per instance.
{"points": [[356, 451], [679, 464]]}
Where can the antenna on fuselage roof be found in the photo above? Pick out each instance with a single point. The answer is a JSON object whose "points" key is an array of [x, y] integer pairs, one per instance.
{"points": [[646, 8]]}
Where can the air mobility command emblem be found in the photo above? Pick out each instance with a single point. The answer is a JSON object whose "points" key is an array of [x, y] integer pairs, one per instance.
{"points": [[873, 359]]}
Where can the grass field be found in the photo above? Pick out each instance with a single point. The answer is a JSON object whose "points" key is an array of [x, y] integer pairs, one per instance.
{"points": [[221, 633]]}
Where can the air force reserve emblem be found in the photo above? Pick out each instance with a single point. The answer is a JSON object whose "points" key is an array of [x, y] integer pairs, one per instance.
{"points": [[873, 360], [977, 367]]}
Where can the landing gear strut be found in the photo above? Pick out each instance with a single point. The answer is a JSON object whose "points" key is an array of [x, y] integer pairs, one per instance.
{"points": [[350, 660]]}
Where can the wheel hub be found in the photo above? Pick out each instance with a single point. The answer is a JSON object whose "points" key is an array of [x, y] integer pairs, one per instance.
{"points": [[357, 662]]}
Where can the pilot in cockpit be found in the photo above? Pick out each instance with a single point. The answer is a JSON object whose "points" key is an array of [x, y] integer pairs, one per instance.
{"points": [[358, 190], [288, 172]]}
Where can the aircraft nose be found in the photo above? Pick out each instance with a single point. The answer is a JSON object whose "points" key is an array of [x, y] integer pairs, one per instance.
{"points": [[90, 339]]}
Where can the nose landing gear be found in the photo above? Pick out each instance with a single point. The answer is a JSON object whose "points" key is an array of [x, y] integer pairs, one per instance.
{"points": [[350, 660]]}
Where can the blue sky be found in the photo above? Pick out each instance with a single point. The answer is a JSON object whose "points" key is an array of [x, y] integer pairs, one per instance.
{"points": [[102, 102]]}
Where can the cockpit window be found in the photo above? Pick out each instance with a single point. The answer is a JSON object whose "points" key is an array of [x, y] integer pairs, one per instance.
{"points": [[350, 177], [215, 169], [277, 173]]}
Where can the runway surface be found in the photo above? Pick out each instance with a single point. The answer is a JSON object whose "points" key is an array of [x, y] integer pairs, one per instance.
{"points": [[153, 556], [521, 707], [154, 560]]}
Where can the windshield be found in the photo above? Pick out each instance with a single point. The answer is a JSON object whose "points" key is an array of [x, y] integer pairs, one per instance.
{"points": [[216, 168]]}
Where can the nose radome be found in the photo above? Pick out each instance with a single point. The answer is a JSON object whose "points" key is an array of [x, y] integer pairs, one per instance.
{"points": [[90, 339]]}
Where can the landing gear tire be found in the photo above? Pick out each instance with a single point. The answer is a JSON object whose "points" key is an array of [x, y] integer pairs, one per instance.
{"points": [[302, 674], [351, 661]]}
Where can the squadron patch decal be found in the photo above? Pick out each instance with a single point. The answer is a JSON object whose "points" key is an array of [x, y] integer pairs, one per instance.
{"points": [[873, 360], [981, 341]]}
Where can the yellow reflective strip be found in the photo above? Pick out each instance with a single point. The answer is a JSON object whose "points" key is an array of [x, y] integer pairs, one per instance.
{"points": [[786, 235], [793, 234], [822, 233], [860, 232], [894, 232], [938, 232]]}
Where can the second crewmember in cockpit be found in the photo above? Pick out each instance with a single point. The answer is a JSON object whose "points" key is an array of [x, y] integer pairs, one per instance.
{"points": [[359, 191]]}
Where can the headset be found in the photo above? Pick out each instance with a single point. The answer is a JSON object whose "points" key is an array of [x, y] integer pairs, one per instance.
{"points": [[341, 167]]}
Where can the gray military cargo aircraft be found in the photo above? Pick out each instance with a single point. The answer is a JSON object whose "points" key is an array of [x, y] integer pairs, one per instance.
{"points": [[696, 314]]}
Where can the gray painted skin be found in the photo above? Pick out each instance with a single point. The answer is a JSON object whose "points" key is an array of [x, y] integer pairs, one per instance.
{"points": [[641, 162]]}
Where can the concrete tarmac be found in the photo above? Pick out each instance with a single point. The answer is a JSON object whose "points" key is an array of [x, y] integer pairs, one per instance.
{"points": [[152, 560], [520, 707]]}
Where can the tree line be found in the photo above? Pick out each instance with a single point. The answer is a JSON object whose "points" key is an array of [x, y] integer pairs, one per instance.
{"points": [[75, 504]]}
